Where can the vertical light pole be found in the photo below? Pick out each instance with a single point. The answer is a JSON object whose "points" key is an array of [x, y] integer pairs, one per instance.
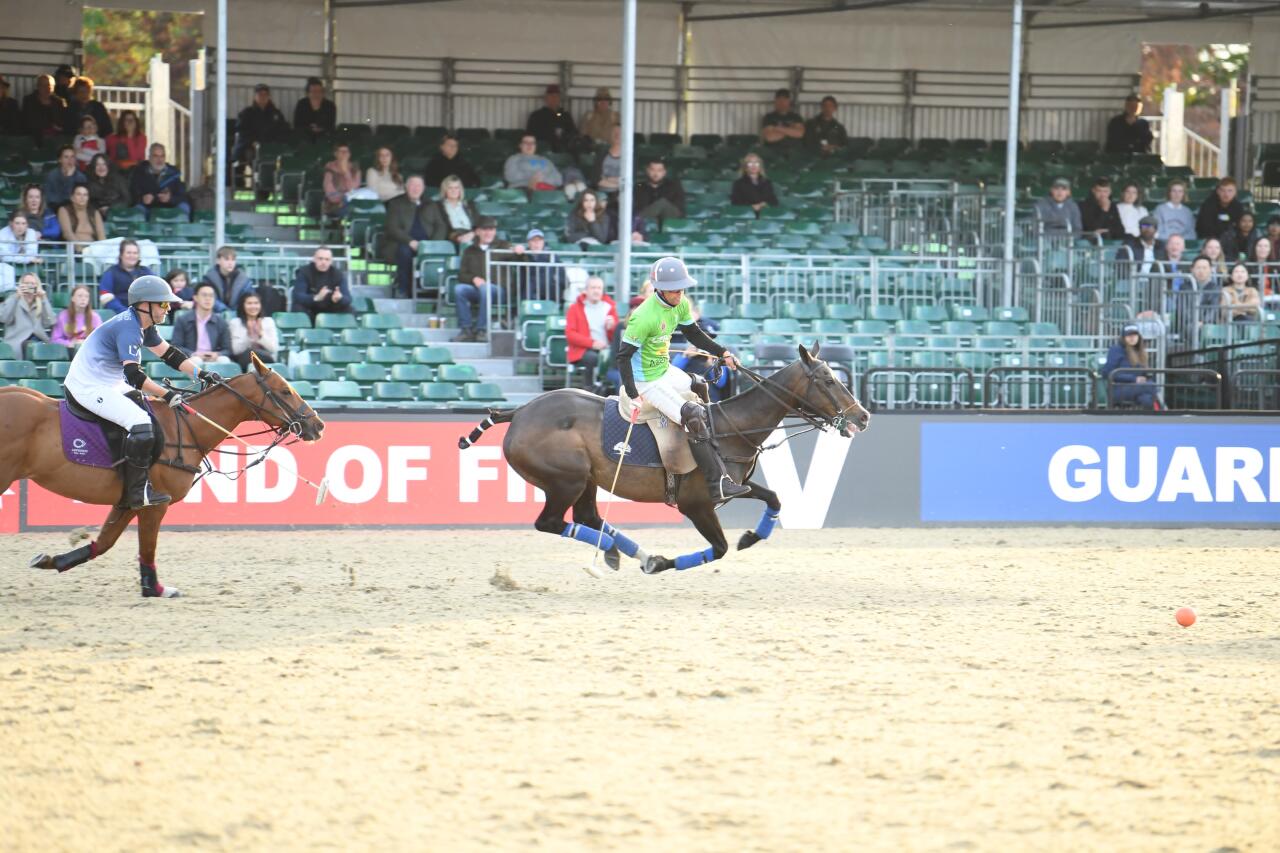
{"points": [[622, 287], [1011, 151], [220, 134]]}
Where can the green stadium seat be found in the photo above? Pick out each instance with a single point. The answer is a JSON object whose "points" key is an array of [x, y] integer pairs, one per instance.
{"points": [[40, 352], [339, 390], [308, 337], [781, 326], [381, 321], [935, 315], [387, 355], [912, 327], [942, 342], [304, 389], [159, 370], [961, 328], [871, 327], [341, 354], [715, 310], [405, 337], [432, 355], [738, 326], [440, 392], [487, 392], [754, 311], [393, 391], [1000, 327], [829, 329], [887, 313], [20, 369], [7, 352], [972, 313], [58, 369], [805, 312], [361, 337], [291, 321], [457, 373], [1010, 314], [48, 387], [335, 321], [365, 372], [838, 311], [1043, 329], [314, 372], [412, 373]]}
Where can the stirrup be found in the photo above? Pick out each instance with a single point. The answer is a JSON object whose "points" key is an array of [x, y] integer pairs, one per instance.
{"points": [[724, 492]]}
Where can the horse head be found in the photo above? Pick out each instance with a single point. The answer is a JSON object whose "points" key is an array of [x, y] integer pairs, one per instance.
{"points": [[816, 392], [275, 403]]}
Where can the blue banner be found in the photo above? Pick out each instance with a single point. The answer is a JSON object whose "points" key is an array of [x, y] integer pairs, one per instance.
{"points": [[1167, 471]]}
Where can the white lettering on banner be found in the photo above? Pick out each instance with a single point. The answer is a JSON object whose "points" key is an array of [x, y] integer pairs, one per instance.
{"points": [[805, 508], [1185, 477], [472, 471], [370, 481], [400, 473], [1240, 466], [1087, 484], [1274, 486], [284, 465], [1148, 475]]}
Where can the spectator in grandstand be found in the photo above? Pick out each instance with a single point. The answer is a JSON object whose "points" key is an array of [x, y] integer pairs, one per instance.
{"points": [[1273, 235], [320, 288], [62, 178], [544, 278], [26, 314], [63, 76], [383, 177], [229, 280], [1176, 269], [1220, 211], [528, 170], [44, 113], [19, 242], [782, 129], [156, 184], [452, 217], [1240, 301], [1126, 132], [113, 289], [474, 292], [180, 284], [659, 196], [552, 125], [1130, 386], [87, 143], [1207, 286], [824, 133], [753, 189], [10, 111], [598, 124], [1237, 242], [77, 320], [449, 161], [82, 103], [1058, 210], [1144, 250], [1099, 215], [41, 217], [589, 223], [259, 122], [1265, 271], [252, 332], [1173, 215], [589, 324], [607, 171], [80, 221], [719, 381], [107, 187], [203, 331], [405, 227], [127, 147], [314, 114], [341, 178], [1132, 209]]}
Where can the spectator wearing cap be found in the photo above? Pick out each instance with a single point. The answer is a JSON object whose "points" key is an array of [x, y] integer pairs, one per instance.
{"points": [[544, 278], [824, 133], [1220, 211], [10, 111], [1173, 215], [659, 195], [257, 123], [753, 188], [448, 160], [474, 292], [452, 218], [1126, 132], [589, 324], [1058, 210], [82, 103], [551, 124], [783, 128], [1129, 384], [1144, 250], [63, 76], [1099, 214], [598, 124], [404, 228], [44, 113], [314, 114]]}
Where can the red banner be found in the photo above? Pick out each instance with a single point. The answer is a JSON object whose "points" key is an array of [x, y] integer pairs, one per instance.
{"points": [[389, 472], [9, 510]]}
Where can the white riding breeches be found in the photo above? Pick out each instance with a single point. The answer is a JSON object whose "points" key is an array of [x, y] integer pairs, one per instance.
{"points": [[668, 393], [110, 402]]}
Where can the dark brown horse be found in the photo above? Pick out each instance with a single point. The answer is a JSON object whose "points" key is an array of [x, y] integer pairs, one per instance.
{"points": [[554, 443], [31, 447]]}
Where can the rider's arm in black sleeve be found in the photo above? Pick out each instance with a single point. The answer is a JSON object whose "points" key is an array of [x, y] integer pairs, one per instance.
{"points": [[623, 360], [693, 334]]}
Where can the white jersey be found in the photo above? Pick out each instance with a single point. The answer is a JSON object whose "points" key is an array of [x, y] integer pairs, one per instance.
{"points": [[100, 361]]}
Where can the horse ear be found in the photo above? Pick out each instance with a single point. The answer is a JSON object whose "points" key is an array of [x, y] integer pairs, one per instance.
{"points": [[257, 363], [804, 355], [817, 345]]}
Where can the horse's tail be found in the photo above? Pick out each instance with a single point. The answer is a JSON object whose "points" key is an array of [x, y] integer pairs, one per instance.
{"points": [[496, 416]]}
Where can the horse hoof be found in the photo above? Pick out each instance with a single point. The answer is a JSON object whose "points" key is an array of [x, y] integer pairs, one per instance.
{"points": [[160, 591], [41, 561], [656, 564], [613, 558], [748, 539]]}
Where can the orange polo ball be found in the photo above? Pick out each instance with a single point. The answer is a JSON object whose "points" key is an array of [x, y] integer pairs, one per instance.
{"points": [[1186, 617]]}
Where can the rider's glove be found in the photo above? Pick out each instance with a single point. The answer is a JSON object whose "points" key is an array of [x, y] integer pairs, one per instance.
{"points": [[173, 399], [207, 377]]}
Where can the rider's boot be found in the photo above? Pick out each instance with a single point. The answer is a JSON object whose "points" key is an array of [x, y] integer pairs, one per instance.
{"points": [[138, 493], [719, 483]]}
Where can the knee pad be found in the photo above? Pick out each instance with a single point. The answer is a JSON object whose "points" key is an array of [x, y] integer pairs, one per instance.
{"points": [[694, 418], [138, 445]]}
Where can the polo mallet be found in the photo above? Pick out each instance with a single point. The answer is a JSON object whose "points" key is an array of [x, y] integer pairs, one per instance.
{"points": [[604, 522], [322, 490]]}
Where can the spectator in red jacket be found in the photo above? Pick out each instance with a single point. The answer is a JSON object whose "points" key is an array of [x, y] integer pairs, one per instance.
{"points": [[589, 325]]}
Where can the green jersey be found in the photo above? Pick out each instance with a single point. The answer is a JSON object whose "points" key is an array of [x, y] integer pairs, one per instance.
{"points": [[649, 329]]}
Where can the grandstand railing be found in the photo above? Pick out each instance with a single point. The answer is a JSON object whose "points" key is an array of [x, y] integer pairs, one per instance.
{"points": [[1244, 365], [1178, 388]]}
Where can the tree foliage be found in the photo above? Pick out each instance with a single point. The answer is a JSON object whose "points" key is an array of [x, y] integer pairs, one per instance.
{"points": [[119, 44]]}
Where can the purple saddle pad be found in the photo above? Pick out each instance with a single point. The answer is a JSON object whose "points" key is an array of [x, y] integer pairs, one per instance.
{"points": [[84, 442]]}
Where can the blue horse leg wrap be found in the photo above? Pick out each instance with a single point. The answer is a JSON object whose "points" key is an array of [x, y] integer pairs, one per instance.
{"points": [[589, 535], [767, 521], [624, 542], [697, 558]]}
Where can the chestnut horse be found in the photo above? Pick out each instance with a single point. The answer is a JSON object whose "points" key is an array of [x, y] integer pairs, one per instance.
{"points": [[31, 448]]}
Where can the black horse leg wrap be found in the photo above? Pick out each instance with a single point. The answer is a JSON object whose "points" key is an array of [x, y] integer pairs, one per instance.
{"points": [[75, 557]]}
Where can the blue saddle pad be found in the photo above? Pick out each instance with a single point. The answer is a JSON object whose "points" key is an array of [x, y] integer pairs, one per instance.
{"points": [[644, 448]]}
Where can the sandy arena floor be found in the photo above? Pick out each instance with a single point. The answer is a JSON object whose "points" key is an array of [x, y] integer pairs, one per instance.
{"points": [[944, 689]]}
